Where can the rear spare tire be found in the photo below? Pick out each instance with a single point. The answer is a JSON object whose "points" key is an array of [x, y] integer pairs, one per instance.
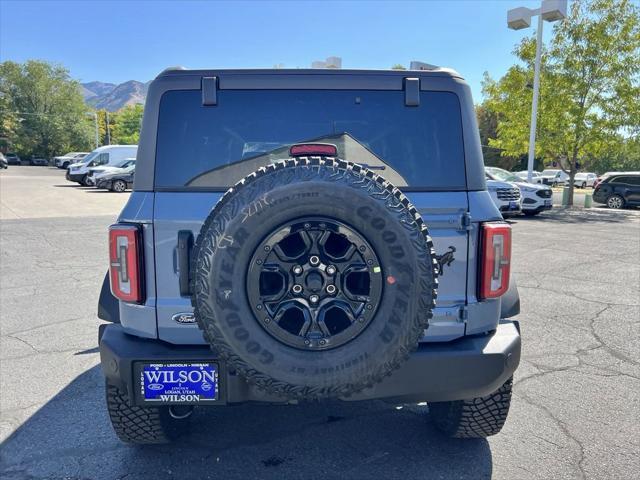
{"points": [[314, 278]]}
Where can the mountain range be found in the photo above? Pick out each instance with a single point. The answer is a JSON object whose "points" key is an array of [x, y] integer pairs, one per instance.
{"points": [[112, 97]]}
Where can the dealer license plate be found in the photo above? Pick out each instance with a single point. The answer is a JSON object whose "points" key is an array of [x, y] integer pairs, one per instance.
{"points": [[172, 383]]}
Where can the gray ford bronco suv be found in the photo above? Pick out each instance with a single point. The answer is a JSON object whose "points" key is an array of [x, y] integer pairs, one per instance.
{"points": [[285, 240]]}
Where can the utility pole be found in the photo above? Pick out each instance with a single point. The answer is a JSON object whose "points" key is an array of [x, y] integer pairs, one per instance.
{"points": [[108, 129], [95, 118]]}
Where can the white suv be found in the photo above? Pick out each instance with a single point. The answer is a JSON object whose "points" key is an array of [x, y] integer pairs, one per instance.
{"points": [[554, 177], [535, 198], [584, 180], [63, 161], [506, 196]]}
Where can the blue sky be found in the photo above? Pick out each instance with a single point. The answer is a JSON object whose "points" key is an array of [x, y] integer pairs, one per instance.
{"points": [[117, 41]]}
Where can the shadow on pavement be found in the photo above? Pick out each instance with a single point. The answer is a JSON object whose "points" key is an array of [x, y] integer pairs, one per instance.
{"points": [[582, 215], [71, 437]]}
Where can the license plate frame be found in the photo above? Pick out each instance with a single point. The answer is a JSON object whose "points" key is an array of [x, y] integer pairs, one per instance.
{"points": [[548, 203], [191, 382]]}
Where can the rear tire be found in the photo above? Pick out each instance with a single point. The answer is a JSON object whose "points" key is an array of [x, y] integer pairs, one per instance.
{"points": [[477, 418], [141, 425], [119, 186], [84, 182], [615, 201]]}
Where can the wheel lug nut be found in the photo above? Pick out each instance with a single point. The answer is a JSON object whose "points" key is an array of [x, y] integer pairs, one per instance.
{"points": [[259, 307], [314, 260], [297, 288], [331, 289], [331, 270], [307, 342], [323, 342], [314, 298], [297, 270]]}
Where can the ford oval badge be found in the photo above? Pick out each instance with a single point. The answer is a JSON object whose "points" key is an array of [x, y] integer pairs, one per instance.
{"points": [[184, 318]]}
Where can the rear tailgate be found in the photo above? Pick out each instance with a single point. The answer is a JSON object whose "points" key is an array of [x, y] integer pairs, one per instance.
{"points": [[175, 212]]}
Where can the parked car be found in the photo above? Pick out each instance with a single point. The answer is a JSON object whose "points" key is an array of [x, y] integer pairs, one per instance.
{"points": [[619, 190], [535, 177], [63, 161], [608, 174], [117, 181], [39, 161], [584, 179], [3, 162], [535, 198], [314, 277], [96, 172], [13, 159], [554, 177], [506, 196], [107, 155]]}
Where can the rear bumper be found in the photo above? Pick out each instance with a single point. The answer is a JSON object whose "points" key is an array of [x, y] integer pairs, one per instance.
{"points": [[74, 177], [462, 369]]}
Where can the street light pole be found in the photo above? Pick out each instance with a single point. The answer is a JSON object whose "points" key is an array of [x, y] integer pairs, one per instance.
{"points": [[534, 103], [95, 118], [519, 18]]}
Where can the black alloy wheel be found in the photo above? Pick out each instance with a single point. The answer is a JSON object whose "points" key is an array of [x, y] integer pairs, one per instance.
{"points": [[310, 286]]}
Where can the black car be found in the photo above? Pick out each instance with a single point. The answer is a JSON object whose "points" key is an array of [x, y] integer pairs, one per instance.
{"points": [[13, 159], [39, 161], [117, 182], [619, 190]]}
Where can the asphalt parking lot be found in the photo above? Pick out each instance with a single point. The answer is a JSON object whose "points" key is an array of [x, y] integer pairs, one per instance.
{"points": [[575, 412]]}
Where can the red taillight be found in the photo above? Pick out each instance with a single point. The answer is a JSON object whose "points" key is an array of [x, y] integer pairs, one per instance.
{"points": [[125, 262], [495, 254], [324, 149]]}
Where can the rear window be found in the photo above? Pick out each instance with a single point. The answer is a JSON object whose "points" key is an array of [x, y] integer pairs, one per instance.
{"points": [[215, 146]]}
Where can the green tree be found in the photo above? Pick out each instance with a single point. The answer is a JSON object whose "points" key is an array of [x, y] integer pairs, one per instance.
{"points": [[398, 66], [590, 87], [43, 111], [127, 123]]}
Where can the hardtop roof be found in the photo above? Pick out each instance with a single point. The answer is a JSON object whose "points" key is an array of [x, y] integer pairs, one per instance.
{"points": [[435, 72]]}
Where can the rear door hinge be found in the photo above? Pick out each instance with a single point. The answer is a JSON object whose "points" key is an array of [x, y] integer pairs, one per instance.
{"points": [[465, 221], [463, 314]]}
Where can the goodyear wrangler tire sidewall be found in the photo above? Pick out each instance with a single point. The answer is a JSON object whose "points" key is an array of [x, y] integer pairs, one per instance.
{"points": [[281, 193]]}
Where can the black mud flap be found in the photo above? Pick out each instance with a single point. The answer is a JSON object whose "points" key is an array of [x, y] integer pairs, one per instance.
{"points": [[510, 305], [108, 305]]}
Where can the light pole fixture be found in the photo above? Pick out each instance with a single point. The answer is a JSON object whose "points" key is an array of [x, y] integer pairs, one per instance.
{"points": [[517, 19]]}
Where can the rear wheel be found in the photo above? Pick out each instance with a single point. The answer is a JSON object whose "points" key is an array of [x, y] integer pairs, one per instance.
{"points": [[584, 185], [476, 418], [144, 425], [615, 201], [119, 186], [84, 181]]}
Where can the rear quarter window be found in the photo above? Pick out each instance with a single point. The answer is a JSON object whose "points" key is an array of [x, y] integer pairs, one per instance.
{"points": [[213, 147]]}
